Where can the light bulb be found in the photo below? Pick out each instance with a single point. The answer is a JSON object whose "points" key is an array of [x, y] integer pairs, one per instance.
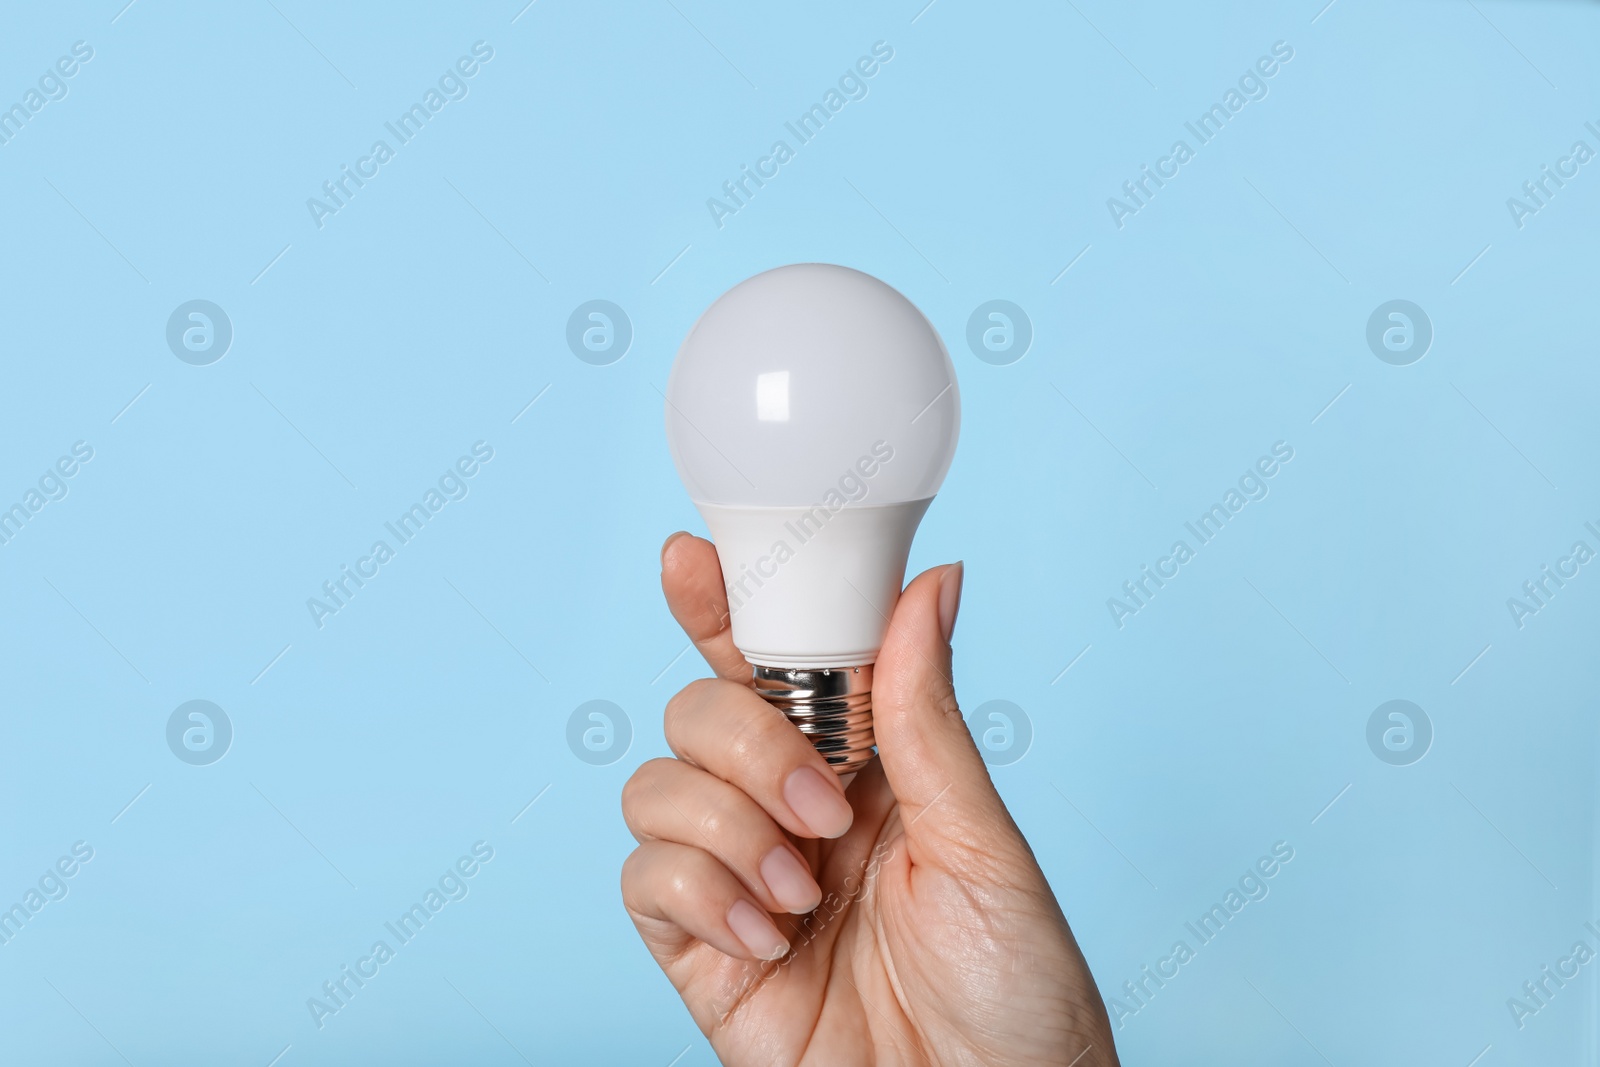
{"points": [[812, 413]]}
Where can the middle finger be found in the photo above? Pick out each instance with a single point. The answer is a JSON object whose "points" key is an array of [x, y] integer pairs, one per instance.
{"points": [[728, 730], [668, 800]]}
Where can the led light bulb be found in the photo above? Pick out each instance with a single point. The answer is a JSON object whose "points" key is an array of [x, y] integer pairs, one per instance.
{"points": [[812, 413]]}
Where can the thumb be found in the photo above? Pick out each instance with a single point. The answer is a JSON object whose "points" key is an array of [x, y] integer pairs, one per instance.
{"points": [[928, 755]]}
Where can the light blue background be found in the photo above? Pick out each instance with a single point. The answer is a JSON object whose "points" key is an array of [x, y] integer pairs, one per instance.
{"points": [[427, 313]]}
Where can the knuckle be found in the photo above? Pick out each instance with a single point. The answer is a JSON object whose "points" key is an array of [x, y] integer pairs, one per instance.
{"points": [[672, 714], [631, 790], [719, 824], [702, 688], [685, 703], [936, 693], [636, 794], [755, 739], [945, 703], [743, 746], [633, 876], [682, 884]]}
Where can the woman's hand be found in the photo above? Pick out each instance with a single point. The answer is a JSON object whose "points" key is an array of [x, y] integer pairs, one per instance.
{"points": [[901, 921]]}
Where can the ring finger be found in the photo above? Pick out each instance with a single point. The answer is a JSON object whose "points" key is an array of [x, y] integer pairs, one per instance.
{"points": [[668, 800]]}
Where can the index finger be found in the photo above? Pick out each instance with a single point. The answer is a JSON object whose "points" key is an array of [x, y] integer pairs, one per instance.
{"points": [[691, 578]]}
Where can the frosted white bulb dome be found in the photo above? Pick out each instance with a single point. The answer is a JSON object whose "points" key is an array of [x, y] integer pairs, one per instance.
{"points": [[790, 378], [812, 413]]}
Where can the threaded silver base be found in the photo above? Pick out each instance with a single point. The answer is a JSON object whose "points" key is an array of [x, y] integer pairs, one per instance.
{"points": [[832, 707]]}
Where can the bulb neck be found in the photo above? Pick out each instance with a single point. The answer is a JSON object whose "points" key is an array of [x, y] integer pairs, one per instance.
{"points": [[832, 706]]}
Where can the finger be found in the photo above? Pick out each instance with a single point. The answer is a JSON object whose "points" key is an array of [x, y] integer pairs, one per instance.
{"points": [[731, 732], [928, 753], [687, 888], [691, 577], [668, 800]]}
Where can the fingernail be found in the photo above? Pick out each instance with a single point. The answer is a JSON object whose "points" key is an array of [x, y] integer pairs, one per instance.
{"points": [[818, 802], [668, 544], [791, 884], [752, 926], [950, 598]]}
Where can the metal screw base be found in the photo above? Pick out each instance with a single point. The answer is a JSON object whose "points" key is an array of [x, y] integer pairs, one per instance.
{"points": [[832, 707]]}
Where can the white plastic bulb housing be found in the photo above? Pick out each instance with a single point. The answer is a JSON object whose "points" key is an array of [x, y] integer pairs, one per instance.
{"points": [[812, 413]]}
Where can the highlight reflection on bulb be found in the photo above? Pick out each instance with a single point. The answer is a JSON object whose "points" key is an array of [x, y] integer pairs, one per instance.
{"points": [[812, 413]]}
